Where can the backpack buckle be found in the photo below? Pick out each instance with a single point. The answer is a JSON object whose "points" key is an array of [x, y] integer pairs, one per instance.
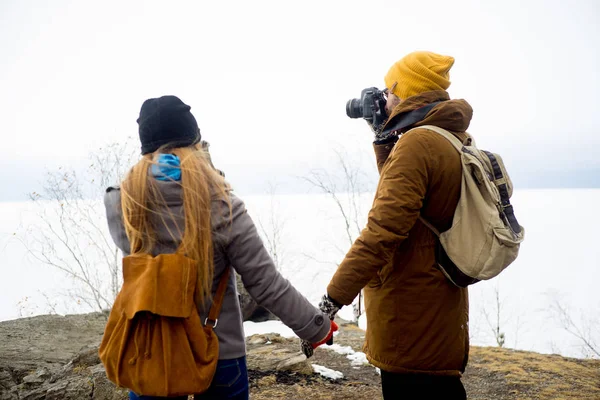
{"points": [[216, 321]]}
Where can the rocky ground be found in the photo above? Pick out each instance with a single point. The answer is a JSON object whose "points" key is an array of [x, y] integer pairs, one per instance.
{"points": [[54, 357]]}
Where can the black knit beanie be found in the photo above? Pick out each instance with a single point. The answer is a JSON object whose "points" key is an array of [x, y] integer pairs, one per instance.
{"points": [[166, 120]]}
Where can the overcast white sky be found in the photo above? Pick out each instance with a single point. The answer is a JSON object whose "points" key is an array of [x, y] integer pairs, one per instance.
{"points": [[268, 80]]}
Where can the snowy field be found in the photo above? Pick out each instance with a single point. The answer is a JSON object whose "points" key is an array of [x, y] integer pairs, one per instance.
{"points": [[559, 260]]}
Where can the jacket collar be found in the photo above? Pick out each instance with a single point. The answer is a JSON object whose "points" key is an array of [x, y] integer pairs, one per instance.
{"points": [[438, 110], [418, 101]]}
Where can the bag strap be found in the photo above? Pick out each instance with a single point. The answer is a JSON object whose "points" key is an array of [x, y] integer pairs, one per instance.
{"points": [[215, 308], [458, 145], [456, 142], [429, 225], [407, 119], [500, 181]]}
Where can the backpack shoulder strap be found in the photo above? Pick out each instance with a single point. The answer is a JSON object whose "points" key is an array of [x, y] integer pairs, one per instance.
{"points": [[215, 308], [429, 225], [458, 145]]}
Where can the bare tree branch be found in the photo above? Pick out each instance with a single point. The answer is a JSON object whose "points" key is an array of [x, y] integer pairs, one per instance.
{"points": [[323, 181], [70, 235], [495, 323], [579, 330], [348, 207], [272, 229]]}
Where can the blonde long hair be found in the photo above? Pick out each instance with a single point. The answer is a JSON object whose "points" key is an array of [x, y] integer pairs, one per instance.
{"points": [[141, 197]]}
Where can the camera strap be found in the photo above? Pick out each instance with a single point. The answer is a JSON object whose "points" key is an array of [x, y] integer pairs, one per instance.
{"points": [[405, 120]]}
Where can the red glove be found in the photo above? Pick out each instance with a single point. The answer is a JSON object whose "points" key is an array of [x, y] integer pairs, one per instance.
{"points": [[308, 348], [329, 338]]}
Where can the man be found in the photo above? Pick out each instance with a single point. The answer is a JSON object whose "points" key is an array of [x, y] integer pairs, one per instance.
{"points": [[417, 320]]}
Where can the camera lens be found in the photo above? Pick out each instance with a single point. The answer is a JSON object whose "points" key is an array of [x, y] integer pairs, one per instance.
{"points": [[354, 108]]}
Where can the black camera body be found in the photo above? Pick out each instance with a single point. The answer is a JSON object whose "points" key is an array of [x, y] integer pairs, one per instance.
{"points": [[370, 106]]}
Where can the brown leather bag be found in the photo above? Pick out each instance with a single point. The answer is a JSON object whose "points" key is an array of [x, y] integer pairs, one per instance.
{"points": [[154, 342]]}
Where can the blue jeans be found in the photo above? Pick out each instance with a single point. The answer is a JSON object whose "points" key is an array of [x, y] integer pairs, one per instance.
{"points": [[230, 382]]}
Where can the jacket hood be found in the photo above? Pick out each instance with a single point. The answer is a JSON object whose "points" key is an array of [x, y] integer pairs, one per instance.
{"points": [[452, 115], [171, 192]]}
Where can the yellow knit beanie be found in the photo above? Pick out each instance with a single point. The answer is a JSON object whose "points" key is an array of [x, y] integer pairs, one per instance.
{"points": [[418, 72]]}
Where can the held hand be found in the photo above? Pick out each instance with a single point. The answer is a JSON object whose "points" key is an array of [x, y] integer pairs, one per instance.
{"points": [[329, 306], [329, 338], [308, 348]]}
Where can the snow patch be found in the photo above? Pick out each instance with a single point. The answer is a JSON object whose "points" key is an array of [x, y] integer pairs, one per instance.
{"points": [[327, 373], [261, 328], [356, 358], [344, 350]]}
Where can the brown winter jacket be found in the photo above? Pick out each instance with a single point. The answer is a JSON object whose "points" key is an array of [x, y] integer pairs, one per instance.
{"points": [[417, 321]]}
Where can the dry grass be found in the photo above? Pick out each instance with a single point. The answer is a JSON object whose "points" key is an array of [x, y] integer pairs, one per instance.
{"points": [[321, 391], [526, 375], [493, 373]]}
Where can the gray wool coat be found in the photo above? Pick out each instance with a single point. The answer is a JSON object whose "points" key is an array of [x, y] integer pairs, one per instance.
{"points": [[237, 245]]}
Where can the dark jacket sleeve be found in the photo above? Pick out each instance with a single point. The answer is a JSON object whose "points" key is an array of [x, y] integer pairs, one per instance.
{"points": [[248, 256], [398, 200]]}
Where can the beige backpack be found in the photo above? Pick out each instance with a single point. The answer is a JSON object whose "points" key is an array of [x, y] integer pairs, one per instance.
{"points": [[485, 236]]}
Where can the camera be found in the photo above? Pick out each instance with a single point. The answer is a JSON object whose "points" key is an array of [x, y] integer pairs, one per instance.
{"points": [[370, 106]]}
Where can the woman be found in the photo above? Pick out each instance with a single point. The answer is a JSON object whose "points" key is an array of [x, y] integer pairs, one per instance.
{"points": [[187, 200]]}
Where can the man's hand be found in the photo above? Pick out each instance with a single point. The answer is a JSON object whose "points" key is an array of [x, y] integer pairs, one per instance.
{"points": [[380, 137], [329, 306], [308, 348], [386, 138]]}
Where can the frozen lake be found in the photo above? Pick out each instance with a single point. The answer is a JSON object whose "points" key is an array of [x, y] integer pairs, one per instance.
{"points": [[560, 259]]}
